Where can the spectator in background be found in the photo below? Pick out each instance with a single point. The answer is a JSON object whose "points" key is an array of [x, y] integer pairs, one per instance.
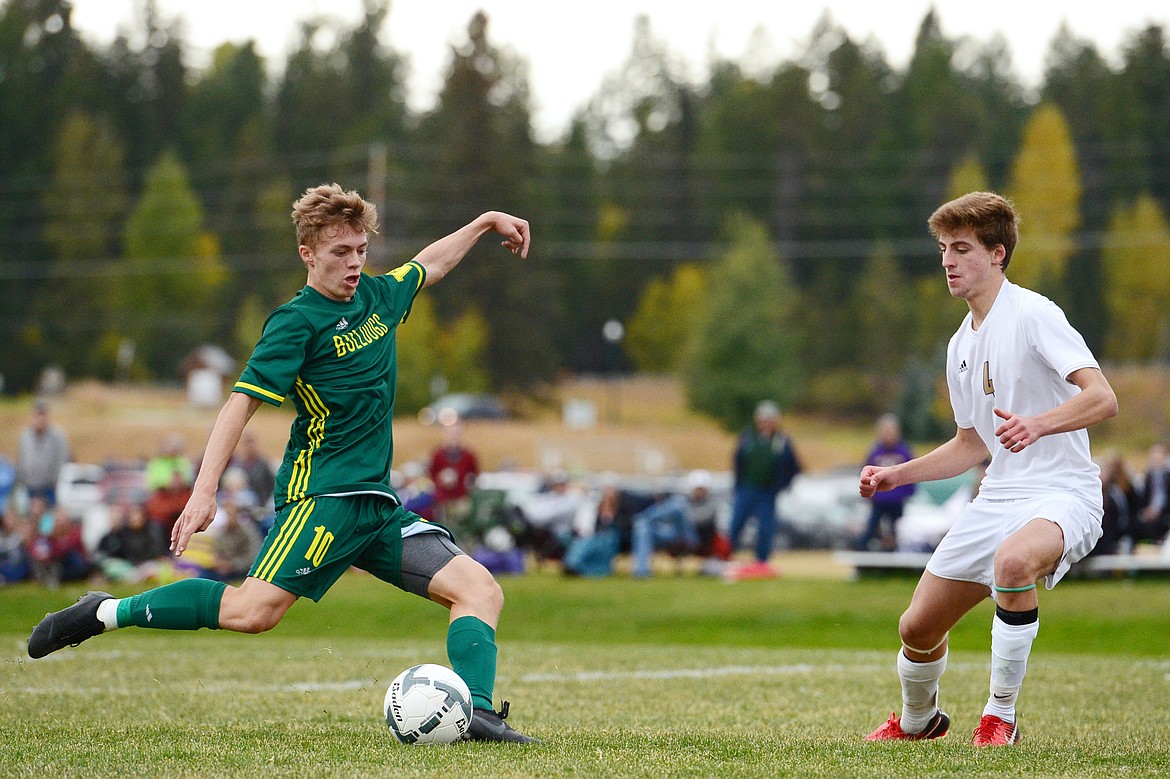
{"points": [[887, 507], [134, 547], [57, 552], [169, 463], [547, 516], [1154, 497], [41, 454], [165, 504], [236, 543], [453, 470], [40, 515], [416, 490], [1120, 499], [258, 470], [673, 523], [765, 464], [169, 476], [602, 529], [234, 488], [592, 549], [15, 535]]}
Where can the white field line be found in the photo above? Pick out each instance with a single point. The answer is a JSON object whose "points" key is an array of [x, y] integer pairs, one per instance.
{"points": [[664, 674], [566, 677]]}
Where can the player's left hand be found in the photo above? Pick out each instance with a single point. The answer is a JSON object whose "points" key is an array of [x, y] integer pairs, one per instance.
{"points": [[516, 232], [1016, 432]]}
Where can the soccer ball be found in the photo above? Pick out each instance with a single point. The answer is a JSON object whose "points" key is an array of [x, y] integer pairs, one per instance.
{"points": [[428, 704]]}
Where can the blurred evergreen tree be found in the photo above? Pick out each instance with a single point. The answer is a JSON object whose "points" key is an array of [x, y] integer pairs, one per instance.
{"points": [[46, 72], [567, 210], [1102, 113], [1046, 190], [1146, 78], [85, 205], [484, 158], [172, 273], [660, 332], [749, 339], [146, 87], [1137, 272]]}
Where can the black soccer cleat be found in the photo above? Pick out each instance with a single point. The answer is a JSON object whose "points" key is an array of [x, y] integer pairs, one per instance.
{"points": [[488, 725], [69, 626]]}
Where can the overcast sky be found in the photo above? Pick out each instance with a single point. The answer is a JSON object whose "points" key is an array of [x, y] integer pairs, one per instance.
{"points": [[570, 51]]}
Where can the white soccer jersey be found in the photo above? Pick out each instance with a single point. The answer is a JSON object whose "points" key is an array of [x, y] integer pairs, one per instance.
{"points": [[1018, 361]]}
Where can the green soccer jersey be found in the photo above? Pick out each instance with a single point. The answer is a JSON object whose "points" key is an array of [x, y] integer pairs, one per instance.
{"points": [[338, 362]]}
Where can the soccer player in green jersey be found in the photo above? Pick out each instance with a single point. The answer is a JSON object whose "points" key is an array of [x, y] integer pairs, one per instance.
{"points": [[332, 350]]}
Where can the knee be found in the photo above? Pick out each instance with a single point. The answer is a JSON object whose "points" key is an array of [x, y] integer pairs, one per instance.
{"points": [[481, 593], [243, 614], [1013, 568], [257, 622], [917, 634], [492, 595]]}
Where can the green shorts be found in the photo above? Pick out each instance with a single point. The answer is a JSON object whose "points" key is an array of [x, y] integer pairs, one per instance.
{"points": [[315, 540]]}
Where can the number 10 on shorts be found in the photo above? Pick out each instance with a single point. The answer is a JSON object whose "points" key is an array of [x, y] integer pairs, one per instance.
{"points": [[320, 545]]}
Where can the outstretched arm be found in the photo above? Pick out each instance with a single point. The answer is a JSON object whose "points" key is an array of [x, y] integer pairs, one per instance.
{"points": [[1093, 404], [444, 254], [200, 508], [959, 455]]}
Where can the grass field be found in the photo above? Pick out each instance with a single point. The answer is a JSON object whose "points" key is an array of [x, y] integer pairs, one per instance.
{"points": [[676, 676]]}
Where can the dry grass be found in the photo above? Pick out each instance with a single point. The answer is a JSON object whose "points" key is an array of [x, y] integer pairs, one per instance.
{"points": [[643, 427]]}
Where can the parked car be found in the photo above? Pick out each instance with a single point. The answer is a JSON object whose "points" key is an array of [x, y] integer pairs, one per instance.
{"points": [[820, 511], [459, 406]]}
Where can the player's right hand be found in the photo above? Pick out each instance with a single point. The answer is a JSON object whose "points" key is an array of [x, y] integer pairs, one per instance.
{"points": [[196, 516], [874, 479]]}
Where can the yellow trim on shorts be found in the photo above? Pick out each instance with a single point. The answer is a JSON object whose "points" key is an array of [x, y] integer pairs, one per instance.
{"points": [[284, 541]]}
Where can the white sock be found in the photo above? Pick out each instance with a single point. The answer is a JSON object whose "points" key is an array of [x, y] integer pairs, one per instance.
{"points": [[1010, 647], [107, 612], [919, 691]]}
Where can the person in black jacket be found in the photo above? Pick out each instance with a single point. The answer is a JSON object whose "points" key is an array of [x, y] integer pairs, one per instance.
{"points": [[134, 547], [765, 464], [1154, 497]]}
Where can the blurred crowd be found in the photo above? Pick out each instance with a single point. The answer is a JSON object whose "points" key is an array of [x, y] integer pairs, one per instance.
{"points": [[116, 526], [63, 522]]}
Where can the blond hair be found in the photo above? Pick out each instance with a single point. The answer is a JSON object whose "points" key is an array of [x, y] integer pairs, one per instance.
{"points": [[327, 207]]}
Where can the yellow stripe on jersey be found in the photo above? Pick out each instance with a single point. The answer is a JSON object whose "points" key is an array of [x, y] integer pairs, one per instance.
{"points": [[298, 481], [399, 273], [261, 390], [285, 540]]}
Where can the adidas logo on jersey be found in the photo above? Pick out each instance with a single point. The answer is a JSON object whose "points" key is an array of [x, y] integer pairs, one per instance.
{"points": [[962, 365], [342, 324]]}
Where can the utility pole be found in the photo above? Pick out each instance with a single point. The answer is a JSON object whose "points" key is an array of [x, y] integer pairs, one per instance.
{"points": [[376, 174]]}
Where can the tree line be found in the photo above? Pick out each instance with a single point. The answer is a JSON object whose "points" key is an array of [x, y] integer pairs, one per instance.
{"points": [[760, 233]]}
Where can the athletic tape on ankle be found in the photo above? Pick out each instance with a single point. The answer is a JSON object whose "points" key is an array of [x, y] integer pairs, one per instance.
{"points": [[926, 651], [1031, 586]]}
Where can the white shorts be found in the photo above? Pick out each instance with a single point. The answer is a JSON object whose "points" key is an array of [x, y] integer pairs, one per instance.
{"points": [[967, 551]]}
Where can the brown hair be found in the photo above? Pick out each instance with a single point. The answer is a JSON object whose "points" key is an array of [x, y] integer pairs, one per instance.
{"points": [[993, 219], [328, 206]]}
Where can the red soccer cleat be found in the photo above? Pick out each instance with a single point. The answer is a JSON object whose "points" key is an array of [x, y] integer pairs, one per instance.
{"points": [[938, 726], [995, 732]]}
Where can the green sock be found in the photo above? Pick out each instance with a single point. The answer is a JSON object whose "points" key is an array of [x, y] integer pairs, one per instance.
{"points": [[471, 647], [188, 604]]}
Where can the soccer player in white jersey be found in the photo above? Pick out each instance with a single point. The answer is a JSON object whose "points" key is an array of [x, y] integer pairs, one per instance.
{"points": [[1024, 387]]}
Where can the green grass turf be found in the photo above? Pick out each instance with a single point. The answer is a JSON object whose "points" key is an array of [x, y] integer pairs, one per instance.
{"points": [[675, 676]]}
